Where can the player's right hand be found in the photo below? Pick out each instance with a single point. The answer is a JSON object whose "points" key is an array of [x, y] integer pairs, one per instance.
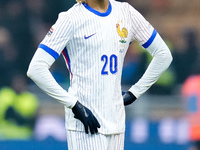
{"points": [[86, 117]]}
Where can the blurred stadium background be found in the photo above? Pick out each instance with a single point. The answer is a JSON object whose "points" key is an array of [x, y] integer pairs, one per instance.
{"points": [[166, 117]]}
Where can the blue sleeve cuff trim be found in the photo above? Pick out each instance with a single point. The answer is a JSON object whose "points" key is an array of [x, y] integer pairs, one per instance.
{"points": [[49, 50], [148, 43]]}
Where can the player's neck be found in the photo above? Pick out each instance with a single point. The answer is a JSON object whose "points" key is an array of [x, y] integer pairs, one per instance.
{"points": [[99, 5]]}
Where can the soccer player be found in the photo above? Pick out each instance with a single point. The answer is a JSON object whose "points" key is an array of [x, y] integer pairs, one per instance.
{"points": [[93, 36]]}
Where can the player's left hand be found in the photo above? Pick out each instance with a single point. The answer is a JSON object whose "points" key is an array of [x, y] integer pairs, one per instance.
{"points": [[86, 117], [128, 98]]}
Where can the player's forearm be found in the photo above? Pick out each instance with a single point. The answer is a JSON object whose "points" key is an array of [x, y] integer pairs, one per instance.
{"points": [[161, 60], [39, 72]]}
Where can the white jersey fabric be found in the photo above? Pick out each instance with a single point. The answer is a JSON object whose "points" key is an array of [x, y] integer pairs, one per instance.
{"points": [[94, 45], [81, 141]]}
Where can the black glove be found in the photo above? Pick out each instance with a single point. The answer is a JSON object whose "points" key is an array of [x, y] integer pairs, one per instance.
{"points": [[128, 98], [86, 117]]}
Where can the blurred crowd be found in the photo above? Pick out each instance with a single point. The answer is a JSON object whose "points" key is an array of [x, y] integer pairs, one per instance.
{"points": [[24, 23]]}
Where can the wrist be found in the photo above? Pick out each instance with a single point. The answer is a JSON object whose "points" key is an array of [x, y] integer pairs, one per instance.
{"points": [[128, 98]]}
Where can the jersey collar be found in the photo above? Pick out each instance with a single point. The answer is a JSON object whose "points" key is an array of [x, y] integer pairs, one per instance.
{"points": [[97, 12]]}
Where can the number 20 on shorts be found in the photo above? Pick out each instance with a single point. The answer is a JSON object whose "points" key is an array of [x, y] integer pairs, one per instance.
{"points": [[111, 62]]}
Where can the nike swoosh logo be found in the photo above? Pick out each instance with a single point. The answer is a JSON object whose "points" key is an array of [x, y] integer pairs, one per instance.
{"points": [[85, 113], [87, 37]]}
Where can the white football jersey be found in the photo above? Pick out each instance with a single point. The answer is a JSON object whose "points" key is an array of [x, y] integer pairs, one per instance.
{"points": [[94, 45]]}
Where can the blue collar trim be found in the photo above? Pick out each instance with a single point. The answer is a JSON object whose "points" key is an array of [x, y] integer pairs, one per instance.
{"points": [[97, 12]]}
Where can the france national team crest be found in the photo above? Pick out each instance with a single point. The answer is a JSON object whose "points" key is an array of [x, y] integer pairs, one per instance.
{"points": [[50, 32], [123, 33]]}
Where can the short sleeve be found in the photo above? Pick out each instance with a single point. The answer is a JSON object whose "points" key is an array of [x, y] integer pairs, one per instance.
{"points": [[58, 36], [142, 30]]}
